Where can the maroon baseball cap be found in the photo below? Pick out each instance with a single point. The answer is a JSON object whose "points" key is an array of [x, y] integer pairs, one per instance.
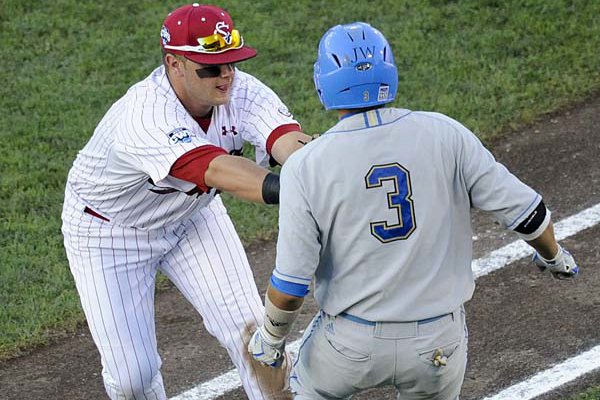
{"points": [[204, 34]]}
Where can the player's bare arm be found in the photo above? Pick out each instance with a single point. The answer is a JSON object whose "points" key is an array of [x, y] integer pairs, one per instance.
{"points": [[545, 244], [238, 176], [287, 144], [284, 301]]}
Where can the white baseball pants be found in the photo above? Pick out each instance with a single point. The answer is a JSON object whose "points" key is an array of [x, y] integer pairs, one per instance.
{"points": [[115, 269], [340, 356]]}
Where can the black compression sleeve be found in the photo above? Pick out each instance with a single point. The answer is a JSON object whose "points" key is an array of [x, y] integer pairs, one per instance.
{"points": [[270, 189], [533, 220]]}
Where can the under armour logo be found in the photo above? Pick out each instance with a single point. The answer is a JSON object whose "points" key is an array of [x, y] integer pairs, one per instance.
{"points": [[225, 131]]}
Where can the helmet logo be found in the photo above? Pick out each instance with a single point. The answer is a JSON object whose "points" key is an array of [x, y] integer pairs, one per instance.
{"points": [[220, 29], [363, 53], [364, 66]]}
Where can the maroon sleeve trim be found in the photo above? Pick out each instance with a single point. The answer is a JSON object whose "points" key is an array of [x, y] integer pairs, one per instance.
{"points": [[192, 165], [279, 132]]}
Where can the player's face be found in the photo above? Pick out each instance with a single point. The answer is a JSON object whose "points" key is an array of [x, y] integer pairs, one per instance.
{"points": [[209, 85]]}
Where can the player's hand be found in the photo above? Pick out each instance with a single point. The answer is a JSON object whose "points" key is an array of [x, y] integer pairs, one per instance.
{"points": [[562, 266], [266, 349]]}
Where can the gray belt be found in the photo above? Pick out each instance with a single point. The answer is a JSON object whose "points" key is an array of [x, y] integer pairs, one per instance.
{"points": [[396, 330]]}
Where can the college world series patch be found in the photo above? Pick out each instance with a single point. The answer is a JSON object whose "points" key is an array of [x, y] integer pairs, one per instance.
{"points": [[180, 135]]}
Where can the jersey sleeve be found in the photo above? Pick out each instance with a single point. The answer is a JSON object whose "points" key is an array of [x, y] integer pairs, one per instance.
{"points": [[263, 114], [153, 151], [491, 186], [192, 166], [298, 243]]}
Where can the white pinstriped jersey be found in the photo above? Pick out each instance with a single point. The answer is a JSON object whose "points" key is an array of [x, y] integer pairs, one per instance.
{"points": [[378, 210], [123, 170]]}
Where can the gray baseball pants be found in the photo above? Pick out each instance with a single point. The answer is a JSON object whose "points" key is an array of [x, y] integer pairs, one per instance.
{"points": [[343, 355]]}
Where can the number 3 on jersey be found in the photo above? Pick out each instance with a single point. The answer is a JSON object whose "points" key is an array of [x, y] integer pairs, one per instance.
{"points": [[399, 200]]}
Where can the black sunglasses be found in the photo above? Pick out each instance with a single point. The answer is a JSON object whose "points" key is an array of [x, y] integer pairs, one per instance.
{"points": [[212, 71]]}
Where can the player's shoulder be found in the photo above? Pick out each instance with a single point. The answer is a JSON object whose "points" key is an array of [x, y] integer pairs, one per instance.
{"points": [[156, 81], [437, 119], [432, 117], [247, 87], [154, 91], [441, 127], [245, 81], [152, 109]]}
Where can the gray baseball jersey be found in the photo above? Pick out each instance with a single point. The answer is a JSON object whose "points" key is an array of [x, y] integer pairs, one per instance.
{"points": [[378, 211], [123, 171]]}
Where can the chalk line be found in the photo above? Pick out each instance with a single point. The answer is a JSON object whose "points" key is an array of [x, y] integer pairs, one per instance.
{"points": [[552, 378]]}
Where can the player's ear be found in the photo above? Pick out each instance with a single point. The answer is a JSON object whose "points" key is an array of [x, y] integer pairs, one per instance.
{"points": [[174, 64]]}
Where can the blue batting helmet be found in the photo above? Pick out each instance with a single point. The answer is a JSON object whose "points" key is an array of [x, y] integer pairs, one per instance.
{"points": [[355, 68]]}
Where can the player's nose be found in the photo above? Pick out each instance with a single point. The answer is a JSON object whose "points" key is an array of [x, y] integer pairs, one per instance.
{"points": [[227, 70]]}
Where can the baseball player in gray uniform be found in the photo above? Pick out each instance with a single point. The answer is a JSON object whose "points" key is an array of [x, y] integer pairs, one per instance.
{"points": [[142, 196], [377, 212]]}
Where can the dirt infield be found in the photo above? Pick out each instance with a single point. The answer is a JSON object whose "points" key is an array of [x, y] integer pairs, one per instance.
{"points": [[520, 321]]}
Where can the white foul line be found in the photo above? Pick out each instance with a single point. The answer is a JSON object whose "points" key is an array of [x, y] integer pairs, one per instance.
{"points": [[552, 378], [222, 384], [482, 266]]}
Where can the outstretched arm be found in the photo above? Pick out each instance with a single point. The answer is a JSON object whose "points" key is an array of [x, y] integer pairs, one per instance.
{"points": [[243, 179], [211, 167]]}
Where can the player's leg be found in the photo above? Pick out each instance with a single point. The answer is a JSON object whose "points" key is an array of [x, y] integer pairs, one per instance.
{"points": [[208, 264], [338, 358], [419, 375], [116, 288]]}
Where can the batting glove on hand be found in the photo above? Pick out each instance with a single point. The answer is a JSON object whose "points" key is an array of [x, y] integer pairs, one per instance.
{"points": [[562, 266], [266, 349]]}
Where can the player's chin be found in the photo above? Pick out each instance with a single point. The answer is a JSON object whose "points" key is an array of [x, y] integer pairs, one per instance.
{"points": [[221, 95]]}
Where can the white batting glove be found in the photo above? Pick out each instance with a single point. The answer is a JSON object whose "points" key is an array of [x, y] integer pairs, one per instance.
{"points": [[266, 348], [562, 266]]}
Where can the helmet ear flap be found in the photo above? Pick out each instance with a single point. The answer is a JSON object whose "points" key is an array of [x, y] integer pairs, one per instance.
{"points": [[355, 68]]}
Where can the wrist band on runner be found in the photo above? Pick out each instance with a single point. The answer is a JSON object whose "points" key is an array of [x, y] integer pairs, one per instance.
{"points": [[278, 322]]}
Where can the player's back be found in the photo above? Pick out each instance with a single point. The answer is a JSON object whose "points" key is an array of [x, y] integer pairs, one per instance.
{"points": [[393, 215]]}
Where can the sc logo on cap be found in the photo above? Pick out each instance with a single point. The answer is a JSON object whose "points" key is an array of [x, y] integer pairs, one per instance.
{"points": [[225, 33]]}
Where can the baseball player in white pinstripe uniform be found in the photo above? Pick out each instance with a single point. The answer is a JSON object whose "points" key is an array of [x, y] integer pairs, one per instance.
{"points": [[389, 245], [142, 196]]}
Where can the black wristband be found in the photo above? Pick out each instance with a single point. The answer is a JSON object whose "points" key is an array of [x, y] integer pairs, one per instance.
{"points": [[270, 189]]}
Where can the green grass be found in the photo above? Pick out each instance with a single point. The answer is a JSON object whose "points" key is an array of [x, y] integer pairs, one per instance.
{"points": [[590, 394], [494, 65]]}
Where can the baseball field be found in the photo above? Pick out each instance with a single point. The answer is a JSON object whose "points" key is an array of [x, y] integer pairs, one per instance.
{"points": [[523, 75]]}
